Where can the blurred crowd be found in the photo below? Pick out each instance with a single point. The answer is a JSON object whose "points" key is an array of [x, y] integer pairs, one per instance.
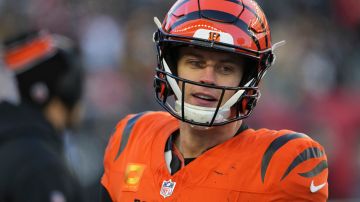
{"points": [[312, 88]]}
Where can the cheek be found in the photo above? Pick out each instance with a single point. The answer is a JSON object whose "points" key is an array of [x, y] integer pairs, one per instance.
{"points": [[180, 69], [188, 88], [237, 78], [230, 81], [186, 73], [227, 96]]}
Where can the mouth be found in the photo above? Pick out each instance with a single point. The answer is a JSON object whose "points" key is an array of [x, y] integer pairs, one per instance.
{"points": [[205, 100]]}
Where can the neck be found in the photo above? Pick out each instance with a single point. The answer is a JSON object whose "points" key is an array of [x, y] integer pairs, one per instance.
{"points": [[194, 140]]}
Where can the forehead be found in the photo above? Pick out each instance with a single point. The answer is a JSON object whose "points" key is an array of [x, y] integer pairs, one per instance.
{"points": [[205, 53]]}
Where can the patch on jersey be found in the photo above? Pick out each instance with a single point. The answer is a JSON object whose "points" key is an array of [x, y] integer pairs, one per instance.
{"points": [[133, 174], [57, 196], [167, 188]]}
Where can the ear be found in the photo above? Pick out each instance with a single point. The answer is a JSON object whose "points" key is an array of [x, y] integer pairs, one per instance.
{"points": [[56, 113]]}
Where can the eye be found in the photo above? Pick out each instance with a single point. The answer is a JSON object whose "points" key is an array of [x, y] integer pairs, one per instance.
{"points": [[195, 63], [226, 69]]}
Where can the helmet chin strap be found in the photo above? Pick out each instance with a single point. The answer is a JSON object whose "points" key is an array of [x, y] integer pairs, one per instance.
{"points": [[198, 113], [201, 114]]}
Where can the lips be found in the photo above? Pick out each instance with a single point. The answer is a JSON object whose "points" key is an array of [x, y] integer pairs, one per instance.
{"points": [[203, 99]]}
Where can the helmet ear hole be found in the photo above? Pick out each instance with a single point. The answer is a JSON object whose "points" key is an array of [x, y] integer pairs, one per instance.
{"points": [[162, 88], [251, 103], [267, 60], [157, 86], [244, 105], [248, 102]]}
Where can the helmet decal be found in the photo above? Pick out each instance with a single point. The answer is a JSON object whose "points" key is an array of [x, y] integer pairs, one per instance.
{"points": [[214, 36]]}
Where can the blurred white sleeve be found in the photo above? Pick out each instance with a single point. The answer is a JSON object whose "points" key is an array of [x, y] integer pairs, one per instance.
{"points": [[8, 85]]}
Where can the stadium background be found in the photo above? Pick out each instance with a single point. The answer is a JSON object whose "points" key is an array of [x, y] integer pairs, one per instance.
{"points": [[312, 88]]}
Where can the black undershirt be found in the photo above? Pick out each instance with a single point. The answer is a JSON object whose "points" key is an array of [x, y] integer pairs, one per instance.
{"points": [[188, 160]]}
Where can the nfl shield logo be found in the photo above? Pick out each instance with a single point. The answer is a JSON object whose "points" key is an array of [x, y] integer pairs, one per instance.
{"points": [[167, 188]]}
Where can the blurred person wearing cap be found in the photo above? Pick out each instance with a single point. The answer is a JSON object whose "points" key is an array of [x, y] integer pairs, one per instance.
{"points": [[43, 69]]}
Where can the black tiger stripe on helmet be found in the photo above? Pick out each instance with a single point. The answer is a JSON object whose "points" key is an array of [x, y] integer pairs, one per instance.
{"points": [[254, 21]]}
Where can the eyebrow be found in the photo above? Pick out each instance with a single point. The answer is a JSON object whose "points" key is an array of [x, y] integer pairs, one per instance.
{"points": [[226, 59], [233, 61], [192, 54], [230, 58]]}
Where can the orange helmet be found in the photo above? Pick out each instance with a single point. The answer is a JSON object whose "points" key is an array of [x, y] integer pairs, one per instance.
{"points": [[236, 26]]}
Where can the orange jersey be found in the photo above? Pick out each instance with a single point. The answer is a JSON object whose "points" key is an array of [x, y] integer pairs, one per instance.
{"points": [[255, 165]]}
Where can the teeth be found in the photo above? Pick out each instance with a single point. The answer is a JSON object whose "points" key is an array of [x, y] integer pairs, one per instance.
{"points": [[205, 97]]}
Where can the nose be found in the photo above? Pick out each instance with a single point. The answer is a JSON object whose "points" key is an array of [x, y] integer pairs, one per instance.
{"points": [[208, 75]]}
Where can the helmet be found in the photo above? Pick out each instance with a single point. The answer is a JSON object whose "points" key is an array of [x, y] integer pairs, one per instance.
{"points": [[234, 26], [45, 66]]}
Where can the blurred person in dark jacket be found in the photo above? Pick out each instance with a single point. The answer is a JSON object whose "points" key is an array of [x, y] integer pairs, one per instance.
{"points": [[49, 85]]}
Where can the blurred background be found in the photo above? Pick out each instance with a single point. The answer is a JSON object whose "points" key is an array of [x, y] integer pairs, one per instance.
{"points": [[312, 88]]}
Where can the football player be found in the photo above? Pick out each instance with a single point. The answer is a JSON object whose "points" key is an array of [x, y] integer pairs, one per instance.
{"points": [[212, 56]]}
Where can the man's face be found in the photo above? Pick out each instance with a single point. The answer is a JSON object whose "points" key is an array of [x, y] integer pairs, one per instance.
{"points": [[208, 67]]}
